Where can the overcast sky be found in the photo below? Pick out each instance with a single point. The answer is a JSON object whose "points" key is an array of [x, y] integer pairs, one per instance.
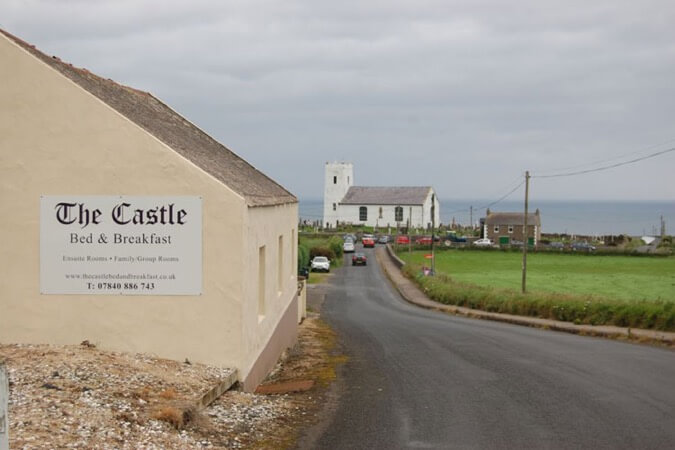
{"points": [[461, 95]]}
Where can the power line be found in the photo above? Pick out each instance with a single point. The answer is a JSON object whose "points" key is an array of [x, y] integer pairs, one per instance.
{"points": [[502, 198], [587, 164], [493, 203], [611, 166]]}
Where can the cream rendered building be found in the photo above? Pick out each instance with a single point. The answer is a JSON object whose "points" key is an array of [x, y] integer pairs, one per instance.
{"points": [[66, 131]]}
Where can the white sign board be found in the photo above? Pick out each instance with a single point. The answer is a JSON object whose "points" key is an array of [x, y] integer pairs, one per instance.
{"points": [[124, 245]]}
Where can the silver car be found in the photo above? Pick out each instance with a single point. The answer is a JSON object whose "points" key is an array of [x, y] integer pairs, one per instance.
{"points": [[320, 264], [483, 242]]}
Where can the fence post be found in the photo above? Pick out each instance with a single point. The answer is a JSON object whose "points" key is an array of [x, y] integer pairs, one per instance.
{"points": [[4, 411]]}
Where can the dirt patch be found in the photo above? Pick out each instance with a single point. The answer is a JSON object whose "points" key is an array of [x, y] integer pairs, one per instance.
{"points": [[315, 358]]}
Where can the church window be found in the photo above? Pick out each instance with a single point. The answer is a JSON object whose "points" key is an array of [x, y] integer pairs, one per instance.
{"points": [[334, 180], [363, 213], [334, 206], [398, 212], [380, 212]]}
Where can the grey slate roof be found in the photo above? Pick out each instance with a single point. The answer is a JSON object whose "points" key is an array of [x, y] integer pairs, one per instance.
{"points": [[175, 131], [381, 195], [510, 218]]}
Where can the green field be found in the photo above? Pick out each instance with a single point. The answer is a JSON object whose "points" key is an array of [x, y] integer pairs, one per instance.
{"points": [[612, 277]]}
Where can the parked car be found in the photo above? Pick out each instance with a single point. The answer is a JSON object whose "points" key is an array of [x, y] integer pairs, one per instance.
{"points": [[383, 240], [556, 245], [402, 239], [452, 237], [348, 247], [582, 247], [483, 242], [320, 264], [423, 240], [359, 259], [368, 241]]}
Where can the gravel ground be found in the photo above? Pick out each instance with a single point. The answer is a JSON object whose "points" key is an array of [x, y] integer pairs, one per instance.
{"points": [[82, 397]]}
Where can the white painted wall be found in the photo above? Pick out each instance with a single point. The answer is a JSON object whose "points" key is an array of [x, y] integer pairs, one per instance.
{"points": [[350, 214], [338, 177], [427, 210]]}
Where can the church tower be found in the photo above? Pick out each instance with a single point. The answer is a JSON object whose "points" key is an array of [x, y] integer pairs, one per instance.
{"points": [[339, 177]]}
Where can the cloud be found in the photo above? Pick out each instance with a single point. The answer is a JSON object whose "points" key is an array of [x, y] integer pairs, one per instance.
{"points": [[464, 95]]}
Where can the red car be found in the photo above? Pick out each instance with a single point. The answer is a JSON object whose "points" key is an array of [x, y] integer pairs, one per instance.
{"points": [[368, 242], [359, 259], [424, 240], [402, 240]]}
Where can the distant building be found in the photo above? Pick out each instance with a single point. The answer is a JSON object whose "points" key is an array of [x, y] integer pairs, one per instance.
{"points": [[505, 227], [67, 133], [375, 205]]}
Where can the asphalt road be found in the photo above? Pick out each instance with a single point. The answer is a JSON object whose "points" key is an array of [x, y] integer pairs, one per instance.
{"points": [[422, 379]]}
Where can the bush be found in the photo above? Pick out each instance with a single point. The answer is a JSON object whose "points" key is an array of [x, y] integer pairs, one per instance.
{"points": [[322, 251], [303, 256], [336, 245]]}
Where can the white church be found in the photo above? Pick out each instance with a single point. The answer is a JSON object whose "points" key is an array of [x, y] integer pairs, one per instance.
{"points": [[376, 206]]}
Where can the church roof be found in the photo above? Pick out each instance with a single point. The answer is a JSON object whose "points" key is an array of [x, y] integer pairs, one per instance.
{"points": [[381, 195], [176, 132]]}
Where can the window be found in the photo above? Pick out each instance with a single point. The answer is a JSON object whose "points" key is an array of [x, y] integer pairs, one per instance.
{"points": [[398, 213], [334, 180], [334, 206], [348, 180], [363, 214], [380, 216], [496, 228], [261, 282], [510, 228], [280, 265]]}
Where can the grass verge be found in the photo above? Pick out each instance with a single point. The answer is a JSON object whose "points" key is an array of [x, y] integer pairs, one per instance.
{"points": [[575, 308], [318, 277]]}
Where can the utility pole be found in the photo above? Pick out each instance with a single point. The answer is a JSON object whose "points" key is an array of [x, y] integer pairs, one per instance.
{"points": [[409, 227], [471, 218], [525, 233], [433, 224]]}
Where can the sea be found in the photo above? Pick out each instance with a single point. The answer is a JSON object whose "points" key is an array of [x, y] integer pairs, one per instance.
{"points": [[588, 217]]}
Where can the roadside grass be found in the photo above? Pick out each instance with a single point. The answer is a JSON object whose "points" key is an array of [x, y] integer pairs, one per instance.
{"points": [[318, 277], [598, 290]]}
